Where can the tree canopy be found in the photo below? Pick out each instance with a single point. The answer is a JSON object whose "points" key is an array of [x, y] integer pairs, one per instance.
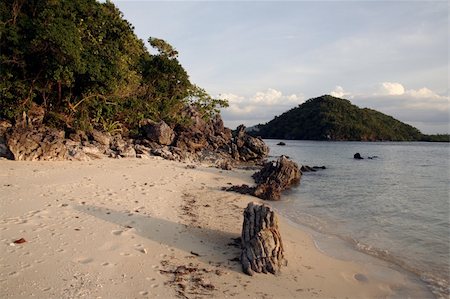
{"points": [[81, 61]]}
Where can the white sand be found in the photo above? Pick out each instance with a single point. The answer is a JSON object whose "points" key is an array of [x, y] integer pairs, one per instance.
{"points": [[119, 228]]}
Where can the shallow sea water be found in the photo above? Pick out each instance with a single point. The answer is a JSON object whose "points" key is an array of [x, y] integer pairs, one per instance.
{"points": [[394, 207]]}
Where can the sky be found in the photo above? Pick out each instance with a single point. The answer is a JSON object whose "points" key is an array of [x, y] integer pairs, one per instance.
{"points": [[267, 57]]}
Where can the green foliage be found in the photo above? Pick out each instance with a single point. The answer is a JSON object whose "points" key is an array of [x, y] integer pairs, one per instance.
{"points": [[436, 138], [163, 47], [81, 61], [207, 105], [330, 118]]}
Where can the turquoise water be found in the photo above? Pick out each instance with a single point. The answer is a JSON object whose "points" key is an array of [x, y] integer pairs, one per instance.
{"points": [[395, 207]]}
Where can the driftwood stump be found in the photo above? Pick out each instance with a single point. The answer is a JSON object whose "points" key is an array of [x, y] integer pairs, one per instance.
{"points": [[262, 248]]}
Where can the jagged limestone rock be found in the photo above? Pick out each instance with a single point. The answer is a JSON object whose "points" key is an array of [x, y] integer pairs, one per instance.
{"points": [[275, 178]]}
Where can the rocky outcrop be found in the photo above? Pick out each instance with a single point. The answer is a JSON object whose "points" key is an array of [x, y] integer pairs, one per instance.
{"points": [[262, 247], [159, 132], [201, 140], [247, 148], [101, 137], [4, 149], [33, 144], [272, 180], [202, 135]]}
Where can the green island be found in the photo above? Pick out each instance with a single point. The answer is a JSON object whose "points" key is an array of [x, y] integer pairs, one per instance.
{"points": [[330, 118]]}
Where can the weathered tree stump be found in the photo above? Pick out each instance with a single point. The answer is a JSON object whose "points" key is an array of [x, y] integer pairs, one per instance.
{"points": [[262, 248]]}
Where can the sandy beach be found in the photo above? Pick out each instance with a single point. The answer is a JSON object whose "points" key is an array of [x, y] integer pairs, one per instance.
{"points": [[134, 228]]}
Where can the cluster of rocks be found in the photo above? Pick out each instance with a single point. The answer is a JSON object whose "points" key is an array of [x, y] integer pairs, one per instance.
{"points": [[272, 179], [358, 156], [199, 140]]}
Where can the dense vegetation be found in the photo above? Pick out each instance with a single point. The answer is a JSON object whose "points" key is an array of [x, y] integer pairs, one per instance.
{"points": [[81, 62], [330, 118], [436, 138]]}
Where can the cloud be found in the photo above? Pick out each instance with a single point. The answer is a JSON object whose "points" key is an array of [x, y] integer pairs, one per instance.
{"points": [[232, 98], [422, 106], [424, 93], [260, 107], [391, 88], [339, 92]]}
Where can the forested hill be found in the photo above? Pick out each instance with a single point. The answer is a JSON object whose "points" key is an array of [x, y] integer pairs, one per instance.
{"points": [[80, 62], [330, 118]]}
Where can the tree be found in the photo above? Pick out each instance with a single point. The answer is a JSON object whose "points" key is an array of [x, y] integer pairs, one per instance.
{"points": [[81, 62]]}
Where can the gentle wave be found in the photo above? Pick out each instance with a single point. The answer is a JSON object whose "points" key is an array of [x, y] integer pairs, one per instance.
{"points": [[439, 286], [394, 208]]}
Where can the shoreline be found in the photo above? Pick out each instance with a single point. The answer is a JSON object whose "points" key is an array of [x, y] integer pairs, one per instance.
{"points": [[154, 228]]}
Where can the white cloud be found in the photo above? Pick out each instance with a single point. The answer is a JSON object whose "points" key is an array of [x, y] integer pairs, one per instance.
{"points": [[391, 88], [339, 92], [423, 93], [257, 108], [232, 98], [269, 97]]}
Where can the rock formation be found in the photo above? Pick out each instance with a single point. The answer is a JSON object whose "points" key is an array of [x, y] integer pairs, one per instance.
{"points": [[272, 180], [158, 132], [200, 140], [262, 247], [306, 168], [247, 148], [41, 143], [357, 156], [4, 149]]}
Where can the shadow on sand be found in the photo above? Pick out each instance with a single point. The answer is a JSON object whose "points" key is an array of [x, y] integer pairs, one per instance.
{"points": [[212, 246]]}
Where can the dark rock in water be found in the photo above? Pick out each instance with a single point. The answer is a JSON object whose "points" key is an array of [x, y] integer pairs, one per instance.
{"points": [[272, 180], [319, 167], [281, 143], [275, 178], [357, 156], [306, 168], [262, 247], [158, 132]]}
